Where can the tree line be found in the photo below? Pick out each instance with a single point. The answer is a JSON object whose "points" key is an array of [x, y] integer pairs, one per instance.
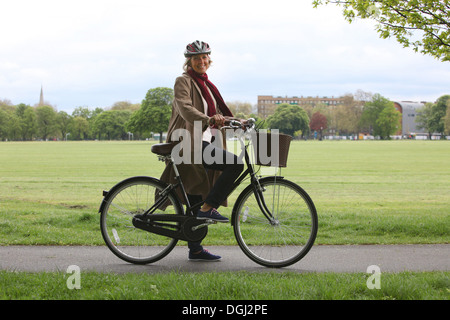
{"points": [[360, 113], [25, 123]]}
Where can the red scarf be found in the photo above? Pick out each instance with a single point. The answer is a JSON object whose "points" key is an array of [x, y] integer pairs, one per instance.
{"points": [[202, 81]]}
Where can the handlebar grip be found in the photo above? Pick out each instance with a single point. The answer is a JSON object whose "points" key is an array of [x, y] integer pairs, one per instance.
{"points": [[227, 122]]}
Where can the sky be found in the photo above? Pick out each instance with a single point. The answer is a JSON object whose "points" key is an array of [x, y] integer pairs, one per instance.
{"points": [[95, 53]]}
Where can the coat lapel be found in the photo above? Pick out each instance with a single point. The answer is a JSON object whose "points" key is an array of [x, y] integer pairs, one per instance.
{"points": [[199, 95]]}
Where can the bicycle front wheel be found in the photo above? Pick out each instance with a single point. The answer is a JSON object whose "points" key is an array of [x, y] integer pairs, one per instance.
{"points": [[125, 200], [288, 236]]}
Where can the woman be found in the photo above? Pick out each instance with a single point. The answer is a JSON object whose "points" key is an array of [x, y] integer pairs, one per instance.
{"points": [[197, 101]]}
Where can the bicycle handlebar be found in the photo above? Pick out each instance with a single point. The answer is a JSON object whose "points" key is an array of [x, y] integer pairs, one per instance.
{"points": [[235, 124]]}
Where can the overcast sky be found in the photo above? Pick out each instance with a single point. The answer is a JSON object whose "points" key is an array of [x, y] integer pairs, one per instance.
{"points": [[97, 52]]}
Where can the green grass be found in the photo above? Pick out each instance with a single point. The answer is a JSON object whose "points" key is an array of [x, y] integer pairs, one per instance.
{"points": [[366, 192], [225, 286], [370, 192]]}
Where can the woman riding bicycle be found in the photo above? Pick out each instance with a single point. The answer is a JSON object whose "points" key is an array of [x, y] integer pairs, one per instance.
{"points": [[196, 99], [274, 220]]}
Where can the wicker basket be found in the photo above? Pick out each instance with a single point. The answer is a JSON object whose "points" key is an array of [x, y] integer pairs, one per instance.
{"points": [[264, 156]]}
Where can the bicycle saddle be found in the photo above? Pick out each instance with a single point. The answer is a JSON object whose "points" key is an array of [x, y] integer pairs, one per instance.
{"points": [[164, 149]]}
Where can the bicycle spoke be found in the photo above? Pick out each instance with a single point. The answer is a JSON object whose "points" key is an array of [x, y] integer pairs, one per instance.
{"points": [[121, 209]]}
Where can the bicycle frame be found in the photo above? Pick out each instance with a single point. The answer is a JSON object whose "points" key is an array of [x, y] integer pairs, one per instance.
{"points": [[190, 209]]}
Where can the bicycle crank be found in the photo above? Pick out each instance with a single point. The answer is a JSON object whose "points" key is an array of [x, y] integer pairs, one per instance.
{"points": [[179, 227]]}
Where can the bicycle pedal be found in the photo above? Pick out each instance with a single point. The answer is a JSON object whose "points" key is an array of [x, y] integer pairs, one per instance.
{"points": [[207, 223]]}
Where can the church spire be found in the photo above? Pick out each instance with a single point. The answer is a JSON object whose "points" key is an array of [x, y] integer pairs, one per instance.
{"points": [[41, 100]]}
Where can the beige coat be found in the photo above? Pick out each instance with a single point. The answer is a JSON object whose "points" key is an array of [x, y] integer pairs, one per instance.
{"points": [[188, 106]]}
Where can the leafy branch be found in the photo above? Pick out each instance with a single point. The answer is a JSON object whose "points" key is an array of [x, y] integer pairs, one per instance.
{"points": [[423, 25]]}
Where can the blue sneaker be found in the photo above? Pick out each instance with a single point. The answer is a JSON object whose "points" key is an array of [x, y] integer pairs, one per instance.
{"points": [[211, 214], [205, 255]]}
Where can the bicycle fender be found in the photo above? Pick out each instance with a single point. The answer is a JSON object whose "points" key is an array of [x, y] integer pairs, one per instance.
{"points": [[117, 185], [269, 178]]}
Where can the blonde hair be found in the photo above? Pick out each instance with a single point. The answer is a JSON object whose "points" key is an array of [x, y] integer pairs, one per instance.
{"points": [[187, 63]]}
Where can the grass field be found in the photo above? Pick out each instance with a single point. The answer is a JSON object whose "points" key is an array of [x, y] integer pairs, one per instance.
{"points": [[366, 192], [226, 286]]}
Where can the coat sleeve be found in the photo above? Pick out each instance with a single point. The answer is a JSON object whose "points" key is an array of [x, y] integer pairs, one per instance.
{"points": [[183, 103]]}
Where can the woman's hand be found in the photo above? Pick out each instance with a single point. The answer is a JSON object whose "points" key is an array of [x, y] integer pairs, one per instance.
{"points": [[217, 119]]}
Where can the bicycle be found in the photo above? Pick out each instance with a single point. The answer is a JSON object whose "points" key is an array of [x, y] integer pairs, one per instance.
{"points": [[274, 220]]}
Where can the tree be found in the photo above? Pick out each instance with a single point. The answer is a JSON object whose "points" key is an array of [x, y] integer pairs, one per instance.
{"points": [[46, 121], [439, 110], [5, 119], [238, 107], [111, 124], [125, 105], [27, 121], [424, 118], [154, 114], [10, 128], [388, 121], [318, 123], [423, 25], [63, 122], [79, 128], [14, 130], [432, 116], [447, 119], [86, 127], [289, 119], [371, 113], [83, 112], [348, 115]]}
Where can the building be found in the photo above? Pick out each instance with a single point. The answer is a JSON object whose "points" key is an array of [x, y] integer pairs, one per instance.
{"points": [[409, 111], [268, 104]]}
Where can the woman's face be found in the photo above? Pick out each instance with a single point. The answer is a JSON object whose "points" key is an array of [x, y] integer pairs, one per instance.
{"points": [[200, 63]]}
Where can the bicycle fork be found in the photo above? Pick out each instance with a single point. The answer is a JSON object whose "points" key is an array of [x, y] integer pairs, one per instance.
{"points": [[258, 192]]}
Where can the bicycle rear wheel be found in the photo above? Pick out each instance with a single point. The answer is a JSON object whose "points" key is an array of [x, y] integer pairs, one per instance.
{"points": [[289, 236], [125, 200]]}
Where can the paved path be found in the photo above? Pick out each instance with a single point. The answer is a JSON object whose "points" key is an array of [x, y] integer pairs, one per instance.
{"points": [[389, 258]]}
